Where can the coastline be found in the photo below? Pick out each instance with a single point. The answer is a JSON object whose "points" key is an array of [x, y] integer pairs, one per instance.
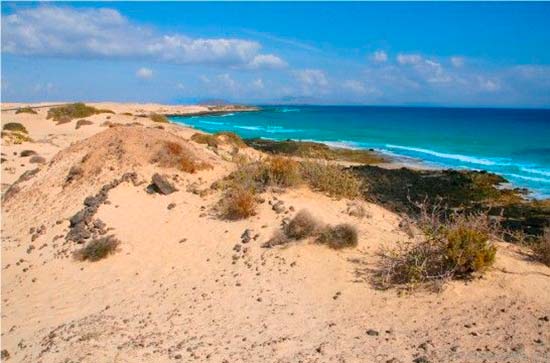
{"points": [[184, 280]]}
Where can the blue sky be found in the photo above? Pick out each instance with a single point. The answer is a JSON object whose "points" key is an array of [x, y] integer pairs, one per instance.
{"points": [[449, 54]]}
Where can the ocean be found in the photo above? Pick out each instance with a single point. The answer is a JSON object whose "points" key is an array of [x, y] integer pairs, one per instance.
{"points": [[514, 143]]}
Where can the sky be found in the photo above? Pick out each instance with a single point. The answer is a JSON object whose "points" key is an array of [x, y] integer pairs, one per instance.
{"points": [[420, 54]]}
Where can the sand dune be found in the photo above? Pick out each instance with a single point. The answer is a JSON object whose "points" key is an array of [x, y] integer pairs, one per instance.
{"points": [[179, 289]]}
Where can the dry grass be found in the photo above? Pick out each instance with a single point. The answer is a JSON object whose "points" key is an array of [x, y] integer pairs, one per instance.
{"points": [[339, 236], [97, 249], [282, 172], [174, 155], [453, 247], [215, 140], [541, 248], [303, 225], [238, 203], [158, 118], [26, 110], [332, 179], [72, 111]]}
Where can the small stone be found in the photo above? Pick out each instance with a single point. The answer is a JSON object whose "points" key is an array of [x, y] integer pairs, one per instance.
{"points": [[171, 206], [161, 185], [372, 332]]}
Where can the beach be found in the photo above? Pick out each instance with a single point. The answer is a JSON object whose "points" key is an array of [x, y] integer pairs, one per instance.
{"points": [[186, 285]]}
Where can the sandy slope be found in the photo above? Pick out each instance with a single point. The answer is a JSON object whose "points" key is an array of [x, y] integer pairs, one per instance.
{"points": [[179, 291]]}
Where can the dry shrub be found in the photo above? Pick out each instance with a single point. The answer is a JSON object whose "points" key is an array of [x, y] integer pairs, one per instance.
{"points": [[331, 179], [97, 249], [282, 172], [83, 122], [339, 236], [541, 248], [453, 247], [26, 110], [303, 225], [72, 111], [278, 239], [207, 139], [238, 203], [158, 118], [127, 114], [174, 155], [15, 127]]}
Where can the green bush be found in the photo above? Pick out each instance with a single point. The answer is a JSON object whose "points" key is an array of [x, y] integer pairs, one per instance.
{"points": [[453, 247], [72, 111], [214, 140]]}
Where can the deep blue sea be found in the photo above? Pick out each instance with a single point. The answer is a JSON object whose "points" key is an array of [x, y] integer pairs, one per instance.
{"points": [[511, 142]]}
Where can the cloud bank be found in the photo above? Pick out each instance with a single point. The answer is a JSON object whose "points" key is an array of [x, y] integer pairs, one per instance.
{"points": [[105, 33]]}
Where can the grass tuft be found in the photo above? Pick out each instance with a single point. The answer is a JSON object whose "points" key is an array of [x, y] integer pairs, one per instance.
{"points": [[339, 236], [174, 155], [238, 203], [97, 249], [215, 140], [303, 225]]}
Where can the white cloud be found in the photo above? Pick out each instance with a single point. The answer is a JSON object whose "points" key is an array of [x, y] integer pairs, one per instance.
{"points": [[267, 61], [105, 33], [409, 58], [226, 81], [144, 73], [312, 77], [379, 56], [180, 86], [258, 83], [488, 85], [457, 61], [354, 86]]}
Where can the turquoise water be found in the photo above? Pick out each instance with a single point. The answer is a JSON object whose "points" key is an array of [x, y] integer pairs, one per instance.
{"points": [[509, 142]]}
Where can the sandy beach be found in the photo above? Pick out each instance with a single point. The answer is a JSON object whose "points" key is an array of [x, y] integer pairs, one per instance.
{"points": [[186, 285]]}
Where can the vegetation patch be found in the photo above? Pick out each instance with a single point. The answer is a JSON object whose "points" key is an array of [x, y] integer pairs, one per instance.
{"points": [[455, 247], [156, 117], [304, 225], [339, 236], [72, 111], [26, 110], [315, 150], [332, 179], [15, 127], [238, 203], [215, 140], [97, 249], [541, 248], [174, 155]]}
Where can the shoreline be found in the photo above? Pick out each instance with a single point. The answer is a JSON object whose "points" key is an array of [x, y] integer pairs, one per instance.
{"points": [[394, 161]]}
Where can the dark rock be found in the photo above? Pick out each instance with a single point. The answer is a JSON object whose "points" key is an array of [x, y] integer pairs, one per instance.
{"points": [[4, 355], [372, 332], [26, 153], [171, 206], [421, 359], [278, 207], [246, 236], [161, 185], [36, 159]]}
